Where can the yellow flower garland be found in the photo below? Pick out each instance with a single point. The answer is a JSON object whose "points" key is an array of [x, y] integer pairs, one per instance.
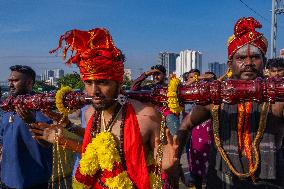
{"points": [[89, 162], [78, 185], [59, 100], [173, 102], [101, 153], [106, 150], [229, 73], [120, 181]]}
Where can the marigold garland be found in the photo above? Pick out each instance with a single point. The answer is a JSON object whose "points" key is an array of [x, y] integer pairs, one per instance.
{"points": [[195, 78], [78, 185], [120, 181], [59, 100], [106, 150], [173, 102], [229, 73], [89, 162], [102, 153]]}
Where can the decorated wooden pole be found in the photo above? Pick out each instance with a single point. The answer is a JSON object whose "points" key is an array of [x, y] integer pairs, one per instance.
{"points": [[175, 95]]}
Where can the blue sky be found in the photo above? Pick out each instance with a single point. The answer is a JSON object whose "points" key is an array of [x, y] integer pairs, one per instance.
{"points": [[30, 28]]}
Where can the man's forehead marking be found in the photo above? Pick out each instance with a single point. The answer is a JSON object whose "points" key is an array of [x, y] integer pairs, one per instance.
{"points": [[244, 50]]}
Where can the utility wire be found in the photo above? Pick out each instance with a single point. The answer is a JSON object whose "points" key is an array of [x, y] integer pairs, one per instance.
{"points": [[255, 11]]}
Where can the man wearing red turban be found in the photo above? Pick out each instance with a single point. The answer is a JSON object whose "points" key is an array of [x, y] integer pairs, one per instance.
{"points": [[120, 134], [96, 56], [246, 42], [248, 136]]}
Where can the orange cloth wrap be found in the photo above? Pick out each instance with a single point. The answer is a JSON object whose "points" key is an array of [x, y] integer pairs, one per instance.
{"points": [[244, 33], [96, 55]]}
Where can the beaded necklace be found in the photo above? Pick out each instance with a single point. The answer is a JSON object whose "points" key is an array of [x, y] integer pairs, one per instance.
{"points": [[96, 128]]}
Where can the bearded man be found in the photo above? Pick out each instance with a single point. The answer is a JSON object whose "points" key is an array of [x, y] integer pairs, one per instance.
{"points": [[247, 140]]}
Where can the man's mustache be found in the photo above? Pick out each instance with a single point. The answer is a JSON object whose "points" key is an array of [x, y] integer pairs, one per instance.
{"points": [[249, 68]]}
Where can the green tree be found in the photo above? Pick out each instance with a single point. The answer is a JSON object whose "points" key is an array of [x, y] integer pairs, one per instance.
{"points": [[72, 80], [41, 86], [126, 82]]}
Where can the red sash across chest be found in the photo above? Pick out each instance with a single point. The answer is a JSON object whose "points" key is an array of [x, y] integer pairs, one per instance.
{"points": [[133, 153]]}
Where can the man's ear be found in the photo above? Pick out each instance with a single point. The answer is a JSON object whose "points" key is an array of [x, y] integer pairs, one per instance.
{"points": [[229, 63], [30, 84]]}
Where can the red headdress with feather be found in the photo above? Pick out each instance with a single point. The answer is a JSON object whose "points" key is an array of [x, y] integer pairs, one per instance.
{"points": [[95, 54]]}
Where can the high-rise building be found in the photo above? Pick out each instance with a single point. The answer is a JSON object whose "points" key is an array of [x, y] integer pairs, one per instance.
{"points": [[217, 68], [38, 78], [127, 72], [168, 60], [50, 81], [47, 74], [187, 60], [58, 73]]}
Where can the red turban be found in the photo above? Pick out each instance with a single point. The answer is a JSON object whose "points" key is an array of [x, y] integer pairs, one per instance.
{"points": [[96, 55], [244, 33]]}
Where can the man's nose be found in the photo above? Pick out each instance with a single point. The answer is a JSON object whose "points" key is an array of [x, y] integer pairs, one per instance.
{"points": [[248, 61], [10, 84], [95, 89]]}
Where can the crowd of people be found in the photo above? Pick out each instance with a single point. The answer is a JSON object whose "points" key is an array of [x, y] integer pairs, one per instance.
{"points": [[119, 142]]}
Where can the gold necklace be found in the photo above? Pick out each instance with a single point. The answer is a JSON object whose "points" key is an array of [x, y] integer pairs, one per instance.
{"points": [[103, 121], [108, 127], [255, 144]]}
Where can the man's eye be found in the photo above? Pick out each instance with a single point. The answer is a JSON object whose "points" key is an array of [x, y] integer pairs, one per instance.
{"points": [[255, 57], [102, 82], [240, 58], [88, 82]]}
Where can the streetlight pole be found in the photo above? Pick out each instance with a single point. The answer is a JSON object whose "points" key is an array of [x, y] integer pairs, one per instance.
{"points": [[276, 9]]}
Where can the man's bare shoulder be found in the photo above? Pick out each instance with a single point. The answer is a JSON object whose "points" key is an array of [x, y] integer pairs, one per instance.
{"points": [[146, 114], [144, 109]]}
